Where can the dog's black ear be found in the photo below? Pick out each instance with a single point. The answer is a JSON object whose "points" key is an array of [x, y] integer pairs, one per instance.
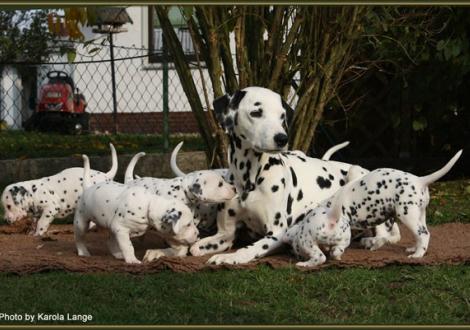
{"points": [[220, 104], [289, 112], [171, 218], [195, 189], [236, 99]]}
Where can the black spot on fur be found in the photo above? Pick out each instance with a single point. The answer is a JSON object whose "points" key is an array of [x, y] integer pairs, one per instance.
{"points": [[323, 183], [294, 176], [289, 204], [289, 221], [196, 189], [300, 195], [299, 218], [238, 142]]}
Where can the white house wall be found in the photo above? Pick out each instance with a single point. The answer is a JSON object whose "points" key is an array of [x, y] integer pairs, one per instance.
{"points": [[138, 82]]}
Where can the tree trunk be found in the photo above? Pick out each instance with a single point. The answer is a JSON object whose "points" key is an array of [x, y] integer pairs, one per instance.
{"points": [[184, 72]]}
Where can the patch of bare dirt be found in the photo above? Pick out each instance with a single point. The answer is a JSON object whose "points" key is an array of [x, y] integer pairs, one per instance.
{"points": [[23, 254]]}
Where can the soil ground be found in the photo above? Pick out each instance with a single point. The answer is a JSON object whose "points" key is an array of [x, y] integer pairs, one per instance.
{"points": [[22, 253]]}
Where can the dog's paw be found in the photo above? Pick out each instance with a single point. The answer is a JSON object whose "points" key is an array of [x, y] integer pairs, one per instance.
{"points": [[83, 253], [133, 261], [336, 256], [411, 249], [308, 263], [152, 255], [229, 259], [372, 243], [416, 255], [118, 255], [197, 250], [39, 233]]}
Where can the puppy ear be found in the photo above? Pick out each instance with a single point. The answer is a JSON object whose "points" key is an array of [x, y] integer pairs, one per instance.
{"points": [[171, 217], [221, 108], [195, 189]]}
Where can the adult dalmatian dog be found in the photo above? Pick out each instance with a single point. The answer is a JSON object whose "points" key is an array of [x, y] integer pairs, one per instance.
{"points": [[51, 197], [205, 208], [276, 187]]}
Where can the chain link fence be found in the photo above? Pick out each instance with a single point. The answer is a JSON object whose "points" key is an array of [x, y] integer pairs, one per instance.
{"points": [[138, 89]]}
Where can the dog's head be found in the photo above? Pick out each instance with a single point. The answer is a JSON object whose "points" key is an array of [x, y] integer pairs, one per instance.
{"points": [[208, 187], [256, 115], [174, 220], [14, 202]]}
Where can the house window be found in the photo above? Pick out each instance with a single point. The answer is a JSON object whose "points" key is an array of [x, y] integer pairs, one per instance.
{"points": [[156, 35]]}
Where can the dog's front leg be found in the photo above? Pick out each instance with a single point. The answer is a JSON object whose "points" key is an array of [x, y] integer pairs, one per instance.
{"points": [[273, 219], [80, 226], [125, 244], [226, 228], [44, 221], [261, 248]]}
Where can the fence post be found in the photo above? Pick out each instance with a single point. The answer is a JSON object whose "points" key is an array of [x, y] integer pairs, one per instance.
{"points": [[166, 128], [113, 82]]}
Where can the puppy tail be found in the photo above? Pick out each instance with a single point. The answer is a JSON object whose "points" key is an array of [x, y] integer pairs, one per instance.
{"points": [[334, 149], [86, 172], [174, 166], [129, 176], [114, 167], [428, 179]]}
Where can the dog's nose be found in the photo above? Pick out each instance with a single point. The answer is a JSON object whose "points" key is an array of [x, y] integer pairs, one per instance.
{"points": [[281, 139]]}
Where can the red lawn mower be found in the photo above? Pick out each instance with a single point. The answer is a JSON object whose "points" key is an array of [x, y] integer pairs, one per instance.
{"points": [[61, 108]]}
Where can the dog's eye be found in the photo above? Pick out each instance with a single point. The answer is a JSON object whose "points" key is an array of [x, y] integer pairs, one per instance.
{"points": [[256, 113], [283, 116], [9, 207]]}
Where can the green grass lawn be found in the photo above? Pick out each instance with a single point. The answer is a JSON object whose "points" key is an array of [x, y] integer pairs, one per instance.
{"points": [[390, 295], [16, 144]]}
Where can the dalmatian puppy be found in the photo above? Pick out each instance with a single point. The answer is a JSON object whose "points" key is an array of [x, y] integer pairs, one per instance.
{"points": [[128, 212], [276, 187], [365, 202], [201, 191], [50, 197]]}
